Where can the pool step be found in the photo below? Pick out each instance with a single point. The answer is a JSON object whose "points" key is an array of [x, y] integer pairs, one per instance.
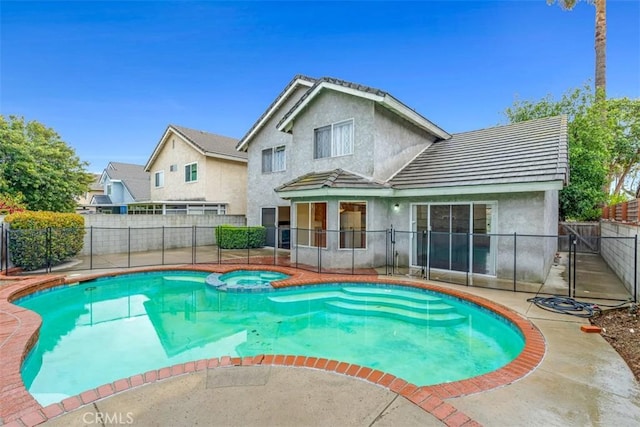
{"points": [[190, 279], [434, 319], [436, 306], [408, 295]]}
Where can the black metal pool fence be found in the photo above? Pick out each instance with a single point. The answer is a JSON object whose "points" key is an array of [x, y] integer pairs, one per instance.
{"points": [[516, 262]]}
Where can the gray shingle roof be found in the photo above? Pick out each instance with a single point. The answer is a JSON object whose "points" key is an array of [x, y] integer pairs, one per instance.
{"points": [[133, 177], [337, 178], [531, 151], [211, 143], [101, 199]]}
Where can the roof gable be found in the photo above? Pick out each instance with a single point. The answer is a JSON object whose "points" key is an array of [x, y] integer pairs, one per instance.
{"points": [[362, 91], [298, 81], [134, 178], [207, 144]]}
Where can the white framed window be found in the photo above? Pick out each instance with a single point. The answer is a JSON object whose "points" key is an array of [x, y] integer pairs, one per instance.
{"points": [[109, 189], [353, 225], [274, 159], [333, 140], [191, 172], [159, 179], [173, 168], [311, 224]]}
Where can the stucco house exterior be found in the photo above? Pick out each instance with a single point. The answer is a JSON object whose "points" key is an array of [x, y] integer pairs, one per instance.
{"points": [[341, 162], [196, 172], [122, 184]]}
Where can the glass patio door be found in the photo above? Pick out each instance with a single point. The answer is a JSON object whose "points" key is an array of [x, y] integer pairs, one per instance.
{"points": [[458, 235]]}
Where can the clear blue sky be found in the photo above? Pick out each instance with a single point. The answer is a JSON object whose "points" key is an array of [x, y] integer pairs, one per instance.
{"points": [[110, 76]]}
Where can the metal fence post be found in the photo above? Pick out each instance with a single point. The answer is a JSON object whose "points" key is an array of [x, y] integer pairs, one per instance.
{"points": [[353, 250], [574, 242], [515, 260], [428, 245], [162, 245], [48, 249], [91, 247], [275, 246], [194, 238], [129, 247], [248, 246], [569, 266], [635, 269]]}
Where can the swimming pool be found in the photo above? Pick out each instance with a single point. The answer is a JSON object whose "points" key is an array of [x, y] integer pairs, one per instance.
{"points": [[244, 280], [111, 328]]}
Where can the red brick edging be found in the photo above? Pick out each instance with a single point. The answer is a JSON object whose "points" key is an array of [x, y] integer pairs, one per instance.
{"points": [[19, 329]]}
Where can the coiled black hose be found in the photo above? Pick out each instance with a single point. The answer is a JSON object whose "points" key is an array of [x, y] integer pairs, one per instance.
{"points": [[566, 305]]}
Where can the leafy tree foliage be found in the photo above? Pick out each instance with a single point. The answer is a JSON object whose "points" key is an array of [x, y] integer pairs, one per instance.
{"points": [[38, 168], [604, 148]]}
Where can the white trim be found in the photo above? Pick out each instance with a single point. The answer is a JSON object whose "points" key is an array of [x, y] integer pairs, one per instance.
{"points": [[276, 106], [161, 171], [197, 172], [322, 192], [226, 157], [517, 187], [521, 187]]}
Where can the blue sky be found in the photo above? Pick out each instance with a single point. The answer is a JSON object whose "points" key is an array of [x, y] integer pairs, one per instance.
{"points": [[110, 76]]}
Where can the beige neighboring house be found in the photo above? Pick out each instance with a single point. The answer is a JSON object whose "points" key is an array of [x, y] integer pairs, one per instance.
{"points": [[196, 172]]}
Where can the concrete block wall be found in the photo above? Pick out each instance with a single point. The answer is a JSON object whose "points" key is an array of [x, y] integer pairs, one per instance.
{"points": [[618, 249], [108, 234]]}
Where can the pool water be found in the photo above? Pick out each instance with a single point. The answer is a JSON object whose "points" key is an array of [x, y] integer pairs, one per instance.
{"points": [[245, 280], [96, 332]]}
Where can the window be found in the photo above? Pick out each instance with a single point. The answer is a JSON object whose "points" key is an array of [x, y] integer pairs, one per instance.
{"points": [[109, 189], [191, 172], [353, 225], [273, 159], [311, 220], [333, 140], [159, 179], [173, 168]]}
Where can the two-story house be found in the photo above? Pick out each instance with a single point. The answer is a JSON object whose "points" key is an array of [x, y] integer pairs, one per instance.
{"points": [[196, 172], [342, 162]]}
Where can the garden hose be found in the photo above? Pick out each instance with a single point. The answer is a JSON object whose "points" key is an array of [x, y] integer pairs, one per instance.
{"points": [[566, 305]]}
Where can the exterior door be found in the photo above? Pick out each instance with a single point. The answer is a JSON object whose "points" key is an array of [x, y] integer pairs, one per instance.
{"points": [[269, 221]]}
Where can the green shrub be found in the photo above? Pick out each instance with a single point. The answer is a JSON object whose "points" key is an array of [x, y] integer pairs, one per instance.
{"points": [[233, 237], [38, 239]]}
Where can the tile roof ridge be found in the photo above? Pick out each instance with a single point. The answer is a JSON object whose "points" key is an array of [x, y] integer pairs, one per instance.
{"points": [[502, 126]]}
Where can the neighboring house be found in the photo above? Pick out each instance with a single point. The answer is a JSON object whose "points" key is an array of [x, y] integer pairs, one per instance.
{"points": [[84, 201], [122, 184], [336, 159], [196, 172]]}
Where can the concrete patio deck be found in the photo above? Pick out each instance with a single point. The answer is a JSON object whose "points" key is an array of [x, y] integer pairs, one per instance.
{"points": [[581, 381]]}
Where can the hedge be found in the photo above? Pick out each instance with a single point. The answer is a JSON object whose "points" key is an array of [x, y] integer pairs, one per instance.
{"points": [[40, 239], [233, 237]]}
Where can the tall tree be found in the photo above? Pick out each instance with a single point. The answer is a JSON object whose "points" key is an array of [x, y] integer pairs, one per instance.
{"points": [[600, 40], [604, 150], [38, 168]]}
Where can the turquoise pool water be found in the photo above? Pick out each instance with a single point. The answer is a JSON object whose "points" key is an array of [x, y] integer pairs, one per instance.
{"points": [[99, 331]]}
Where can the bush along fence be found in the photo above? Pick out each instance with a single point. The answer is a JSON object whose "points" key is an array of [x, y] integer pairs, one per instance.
{"points": [[515, 262]]}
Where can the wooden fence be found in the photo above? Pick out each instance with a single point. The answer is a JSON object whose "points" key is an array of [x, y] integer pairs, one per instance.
{"points": [[626, 212]]}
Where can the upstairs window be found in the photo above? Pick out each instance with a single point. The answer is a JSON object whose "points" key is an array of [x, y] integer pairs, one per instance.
{"points": [[333, 140], [191, 172], [159, 179], [274, 159]]}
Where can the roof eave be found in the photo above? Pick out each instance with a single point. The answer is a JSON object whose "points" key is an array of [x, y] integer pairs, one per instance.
{"points": [[339, 192], [244, 142], [518, 187]]}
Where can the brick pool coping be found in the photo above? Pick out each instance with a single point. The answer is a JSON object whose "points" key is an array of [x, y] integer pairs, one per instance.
{"points": [[19, 331]]}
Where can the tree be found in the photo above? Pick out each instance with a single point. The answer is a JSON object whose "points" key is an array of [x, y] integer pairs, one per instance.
{"points": [[604, 150], [600, 40], [38, 168]]}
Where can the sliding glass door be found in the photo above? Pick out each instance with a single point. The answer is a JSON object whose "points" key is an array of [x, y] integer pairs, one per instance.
{"points": [[456, 237]]}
